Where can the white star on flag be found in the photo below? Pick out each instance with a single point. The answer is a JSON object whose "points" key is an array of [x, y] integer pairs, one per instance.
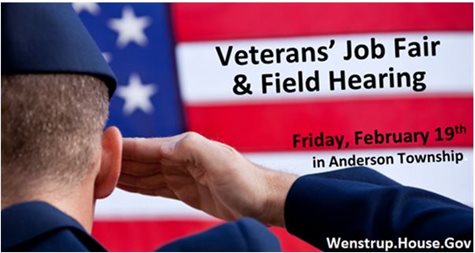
{"points": [[130, 28], [92, 8], [136, 95]]}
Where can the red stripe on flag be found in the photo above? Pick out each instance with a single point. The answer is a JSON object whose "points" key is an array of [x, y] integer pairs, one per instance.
{"points": [[201, 22], [148, 235], [271, 126]]}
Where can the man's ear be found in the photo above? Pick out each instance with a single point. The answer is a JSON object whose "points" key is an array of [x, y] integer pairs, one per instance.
{"points": [[111, 159]]}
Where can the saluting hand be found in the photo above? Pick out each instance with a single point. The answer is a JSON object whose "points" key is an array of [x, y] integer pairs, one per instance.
{"points": [[206, 175]]}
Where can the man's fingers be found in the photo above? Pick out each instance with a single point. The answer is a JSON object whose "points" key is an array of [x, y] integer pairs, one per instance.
{"points": [[140, 169], [146, 149], [162, 192], [156, 181]]}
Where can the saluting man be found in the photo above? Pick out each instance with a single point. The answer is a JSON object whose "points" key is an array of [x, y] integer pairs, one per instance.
{"points": [[56, 158]]}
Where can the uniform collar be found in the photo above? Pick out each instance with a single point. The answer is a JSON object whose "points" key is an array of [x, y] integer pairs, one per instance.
{"points": [[26, 221]]}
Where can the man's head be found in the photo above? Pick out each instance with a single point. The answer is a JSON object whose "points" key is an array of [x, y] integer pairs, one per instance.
{"points": [[52, 127], [55, 95]]}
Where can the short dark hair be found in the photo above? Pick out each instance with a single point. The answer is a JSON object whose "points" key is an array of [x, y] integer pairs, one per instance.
{"points": [[51, 128]]}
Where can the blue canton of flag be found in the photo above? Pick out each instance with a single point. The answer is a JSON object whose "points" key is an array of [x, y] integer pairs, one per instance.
{"points": [[136, 40]]}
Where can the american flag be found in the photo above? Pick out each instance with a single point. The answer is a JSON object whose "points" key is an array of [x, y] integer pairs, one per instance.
{"points": [[170, 80]]}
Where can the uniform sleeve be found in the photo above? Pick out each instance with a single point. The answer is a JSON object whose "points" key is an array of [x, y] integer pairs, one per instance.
{"points": [[360, 203]]}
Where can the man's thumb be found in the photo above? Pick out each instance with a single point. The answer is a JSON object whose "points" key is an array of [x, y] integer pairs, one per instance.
{"points": [[168, 148]]}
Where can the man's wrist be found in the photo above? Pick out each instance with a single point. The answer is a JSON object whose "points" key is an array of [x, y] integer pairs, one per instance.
{"points": [[277, 187]]}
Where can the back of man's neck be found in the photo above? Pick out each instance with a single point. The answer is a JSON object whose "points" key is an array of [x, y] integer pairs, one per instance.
{"points": [[79, 207]]}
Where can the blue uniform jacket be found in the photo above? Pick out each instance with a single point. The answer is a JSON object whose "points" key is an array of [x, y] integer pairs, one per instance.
{"points": [[355, 203], [360, 203], [38, 226]]}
